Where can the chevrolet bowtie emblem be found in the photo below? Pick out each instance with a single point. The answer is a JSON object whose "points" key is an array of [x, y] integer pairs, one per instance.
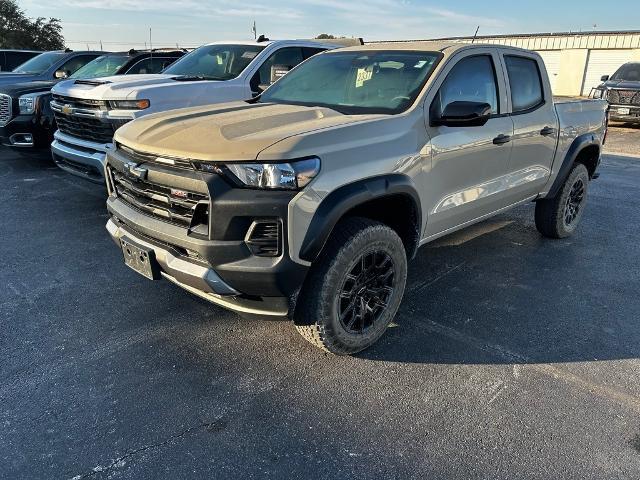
{"points": [[67, 109], [136, 170]]}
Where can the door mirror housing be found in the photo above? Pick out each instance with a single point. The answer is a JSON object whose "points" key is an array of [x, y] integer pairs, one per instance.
{"points": [[464, 114], [61, 74], [604, 78]]}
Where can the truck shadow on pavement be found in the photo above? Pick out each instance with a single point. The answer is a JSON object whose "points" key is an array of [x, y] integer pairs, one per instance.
{"points": [[500, 293]]}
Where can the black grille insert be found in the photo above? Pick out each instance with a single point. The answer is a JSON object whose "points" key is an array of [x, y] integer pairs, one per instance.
{"points": [[160, 201], [624, 97], [86, 128], [263, 238]]}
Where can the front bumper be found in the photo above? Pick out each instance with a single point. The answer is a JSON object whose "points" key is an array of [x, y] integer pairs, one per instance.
{"points": [[79, 157], [219, 264], [27, 131], [632, 117]]}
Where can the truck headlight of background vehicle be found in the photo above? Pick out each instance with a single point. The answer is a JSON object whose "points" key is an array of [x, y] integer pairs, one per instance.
{"points": [[129, 104], [289, 176], [28, 103]]}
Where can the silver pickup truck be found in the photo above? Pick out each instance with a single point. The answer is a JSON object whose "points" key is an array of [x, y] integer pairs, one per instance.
{"points": [[308, 200]]}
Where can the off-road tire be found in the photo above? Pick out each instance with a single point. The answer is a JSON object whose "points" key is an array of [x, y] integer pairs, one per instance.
{"points": [[317, 317], [552, 213]]}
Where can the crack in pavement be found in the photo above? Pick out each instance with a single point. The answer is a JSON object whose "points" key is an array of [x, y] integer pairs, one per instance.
{"points": [[214, 426]]}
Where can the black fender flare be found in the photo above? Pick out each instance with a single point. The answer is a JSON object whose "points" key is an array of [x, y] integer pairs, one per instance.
{"points": [[578, 144], [340, 201]]}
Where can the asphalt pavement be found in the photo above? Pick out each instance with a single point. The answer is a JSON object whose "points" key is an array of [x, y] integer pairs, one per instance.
{"points": [[514, 356]]}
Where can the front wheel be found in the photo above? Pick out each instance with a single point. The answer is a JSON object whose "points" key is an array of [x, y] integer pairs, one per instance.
{"points": [[559, 217], [354, 289]]}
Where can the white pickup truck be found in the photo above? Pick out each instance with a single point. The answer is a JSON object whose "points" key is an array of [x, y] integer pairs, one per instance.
{"points": [[88, 112]]}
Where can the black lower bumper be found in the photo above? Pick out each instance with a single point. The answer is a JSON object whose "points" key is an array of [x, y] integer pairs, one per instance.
{"points": [[223, 249], [28, 131]]}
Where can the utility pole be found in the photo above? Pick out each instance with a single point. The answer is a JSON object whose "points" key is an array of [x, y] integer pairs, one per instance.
{"points": [[255, 31]]}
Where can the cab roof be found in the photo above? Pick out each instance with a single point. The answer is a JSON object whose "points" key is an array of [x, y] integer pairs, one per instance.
{"points": [[448, 48]]}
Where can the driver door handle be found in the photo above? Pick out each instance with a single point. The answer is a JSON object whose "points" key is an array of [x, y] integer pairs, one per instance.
{"points": [[502, 139], [547, 131]]}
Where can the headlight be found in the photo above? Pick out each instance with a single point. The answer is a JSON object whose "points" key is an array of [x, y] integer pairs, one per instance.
{"points": [[599, 93], [289, 176], [129, 104], [27, 103]]}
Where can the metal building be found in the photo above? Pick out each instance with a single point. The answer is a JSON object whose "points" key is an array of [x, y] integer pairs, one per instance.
{"points": [[575, 60]]}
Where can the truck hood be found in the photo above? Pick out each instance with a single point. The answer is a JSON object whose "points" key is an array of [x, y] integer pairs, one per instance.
{"points": [[9, 77], [236, 131], [119, 87], [626, 84], [17, 89]]}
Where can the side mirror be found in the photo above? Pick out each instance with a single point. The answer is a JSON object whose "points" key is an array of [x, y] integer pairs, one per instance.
{"points": [[61, 74], [464, 114], [604, 78]]}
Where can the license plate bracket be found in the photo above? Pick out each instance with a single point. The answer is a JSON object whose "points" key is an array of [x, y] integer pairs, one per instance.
{"points": [[624, 111], [140, 259]]}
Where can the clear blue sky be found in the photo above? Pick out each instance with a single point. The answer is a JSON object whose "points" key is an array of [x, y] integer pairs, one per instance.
{"points": [[124, 23]]}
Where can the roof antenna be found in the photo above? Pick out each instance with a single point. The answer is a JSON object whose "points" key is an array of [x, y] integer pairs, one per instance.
{"points": [[475, 34]]}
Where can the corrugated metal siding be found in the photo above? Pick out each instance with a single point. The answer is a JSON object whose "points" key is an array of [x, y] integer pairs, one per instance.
{"points": [[551, 60], [602, 62]]}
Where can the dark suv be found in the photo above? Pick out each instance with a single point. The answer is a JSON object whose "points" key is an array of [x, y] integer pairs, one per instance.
{"points": [[622, 91], [26, 119], [10, 59]]}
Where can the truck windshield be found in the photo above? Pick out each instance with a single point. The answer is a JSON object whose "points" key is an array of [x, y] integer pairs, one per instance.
{"points": [[215, 62], [629, 72], [356, 82], [39, 64], [102, 67]]}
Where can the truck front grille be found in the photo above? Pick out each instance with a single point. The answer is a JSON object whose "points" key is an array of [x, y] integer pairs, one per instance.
{"points": [[161, 201], [5, 109], [80, 102], [80, 121], [85, 128], [624, 97]]}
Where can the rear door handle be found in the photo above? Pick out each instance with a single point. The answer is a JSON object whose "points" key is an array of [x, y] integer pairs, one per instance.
{"points": [[547, 131], [502, 139]]}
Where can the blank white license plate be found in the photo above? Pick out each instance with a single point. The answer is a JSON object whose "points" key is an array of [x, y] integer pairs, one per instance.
{"points": [[623, 111]]}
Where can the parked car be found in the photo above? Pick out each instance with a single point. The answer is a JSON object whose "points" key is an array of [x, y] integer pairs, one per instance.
{"points": [[30, 122], [10, 59], [308, 200], [88, 113], [622, 91], [49, 67]]}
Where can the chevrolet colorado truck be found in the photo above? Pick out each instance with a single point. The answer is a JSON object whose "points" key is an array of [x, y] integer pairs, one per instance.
{"points": [[307, 201], [622, 91], [88, 113], [29, 122]]}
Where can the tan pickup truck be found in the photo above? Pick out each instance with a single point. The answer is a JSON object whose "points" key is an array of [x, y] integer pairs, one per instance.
{"points": [[308, 200]]}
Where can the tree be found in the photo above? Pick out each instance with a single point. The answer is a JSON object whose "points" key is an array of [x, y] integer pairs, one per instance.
{"points": [[19, 31], [322, 36]]}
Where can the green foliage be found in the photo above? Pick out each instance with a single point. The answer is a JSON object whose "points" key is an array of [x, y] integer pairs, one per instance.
{"points": [[19, 31]]}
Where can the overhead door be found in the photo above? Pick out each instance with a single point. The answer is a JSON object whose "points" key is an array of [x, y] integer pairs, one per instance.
{"points": [[603, 62], [551, 60]]}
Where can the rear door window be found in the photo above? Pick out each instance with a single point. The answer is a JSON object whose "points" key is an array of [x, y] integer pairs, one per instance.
{"points": [[525, 82]]}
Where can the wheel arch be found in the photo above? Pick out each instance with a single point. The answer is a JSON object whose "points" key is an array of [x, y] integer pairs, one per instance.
{"points": [[585, 149], [376, 198]]}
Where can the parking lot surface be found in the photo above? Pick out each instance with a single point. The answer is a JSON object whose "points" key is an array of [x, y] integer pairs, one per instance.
{"points": [[513, 356]]}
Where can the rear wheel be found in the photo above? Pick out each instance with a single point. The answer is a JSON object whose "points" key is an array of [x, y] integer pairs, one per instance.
{"points": [[354, 289], [559, 217]]}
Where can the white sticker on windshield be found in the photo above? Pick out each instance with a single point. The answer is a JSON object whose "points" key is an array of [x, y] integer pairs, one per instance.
{"points": [[362, 76], [420, 64], [249, 55]]}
